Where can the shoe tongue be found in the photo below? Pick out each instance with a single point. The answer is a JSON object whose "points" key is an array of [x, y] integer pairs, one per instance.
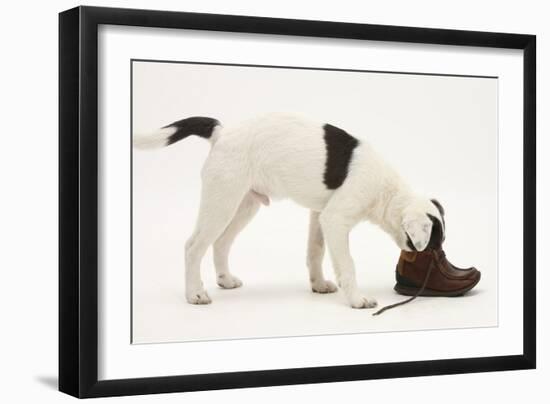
{"points": [[434, 253], [409, 256]]}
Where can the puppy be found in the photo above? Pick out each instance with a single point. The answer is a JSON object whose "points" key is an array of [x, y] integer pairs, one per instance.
{"points": [[339, 178]]}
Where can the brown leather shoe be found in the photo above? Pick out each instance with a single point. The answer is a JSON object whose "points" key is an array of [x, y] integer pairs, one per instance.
{"points": [[445, 279]]}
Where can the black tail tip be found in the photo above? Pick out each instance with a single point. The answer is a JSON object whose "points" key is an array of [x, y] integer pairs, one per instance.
{"points": [[196, 125]]}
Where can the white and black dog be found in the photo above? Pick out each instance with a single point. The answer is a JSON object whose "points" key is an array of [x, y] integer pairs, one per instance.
{"points": [[339, 178]]}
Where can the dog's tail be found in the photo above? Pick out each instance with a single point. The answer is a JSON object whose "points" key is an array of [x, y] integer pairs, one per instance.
{"points": [[204, 127]]}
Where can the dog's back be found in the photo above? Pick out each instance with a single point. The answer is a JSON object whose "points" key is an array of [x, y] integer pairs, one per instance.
{"points": [[280, 155], [285, 155]]}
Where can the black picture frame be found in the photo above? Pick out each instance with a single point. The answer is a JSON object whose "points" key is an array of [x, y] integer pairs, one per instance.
{"points": [[78, 201]]}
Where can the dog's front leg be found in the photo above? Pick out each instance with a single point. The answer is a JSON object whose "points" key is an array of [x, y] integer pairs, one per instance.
{"points": [[337, 220], [315, 253]]}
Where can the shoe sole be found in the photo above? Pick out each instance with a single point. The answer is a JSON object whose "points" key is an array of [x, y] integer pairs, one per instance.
{"points": [[411, 291]]}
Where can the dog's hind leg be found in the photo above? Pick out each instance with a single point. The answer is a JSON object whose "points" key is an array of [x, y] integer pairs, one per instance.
{"points": [[220, 199], [315, 254], [246, 211]]}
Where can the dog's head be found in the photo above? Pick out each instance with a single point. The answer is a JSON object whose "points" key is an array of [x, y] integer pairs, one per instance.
{"points": [[422, 226]]}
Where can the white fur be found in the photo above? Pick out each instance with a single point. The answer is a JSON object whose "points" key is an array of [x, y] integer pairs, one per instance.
{"points": [[153, 140], [283, 156]]}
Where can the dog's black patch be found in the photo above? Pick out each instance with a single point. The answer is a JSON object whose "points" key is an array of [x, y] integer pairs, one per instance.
{"points": [[436, 238], [196, 125], [339, 145]]}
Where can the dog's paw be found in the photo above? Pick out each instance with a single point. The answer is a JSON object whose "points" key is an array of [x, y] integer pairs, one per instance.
{"points": [[198, 297], [228, 281], [323, 287], [361, 302]]}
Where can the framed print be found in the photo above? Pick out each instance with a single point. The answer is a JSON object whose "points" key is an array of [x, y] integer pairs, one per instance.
{"points": [[250, 201]]}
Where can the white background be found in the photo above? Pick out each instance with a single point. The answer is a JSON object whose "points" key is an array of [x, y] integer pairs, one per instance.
{"points": [[29, 215], [439, 132]]}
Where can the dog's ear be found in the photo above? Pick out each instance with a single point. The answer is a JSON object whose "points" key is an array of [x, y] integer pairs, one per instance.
{"points": [[442, 223], [418, 229], [437, 235], [438, 206]]}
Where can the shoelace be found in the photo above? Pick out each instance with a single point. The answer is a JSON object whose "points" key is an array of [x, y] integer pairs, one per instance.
{"points": [[410, 299]]}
